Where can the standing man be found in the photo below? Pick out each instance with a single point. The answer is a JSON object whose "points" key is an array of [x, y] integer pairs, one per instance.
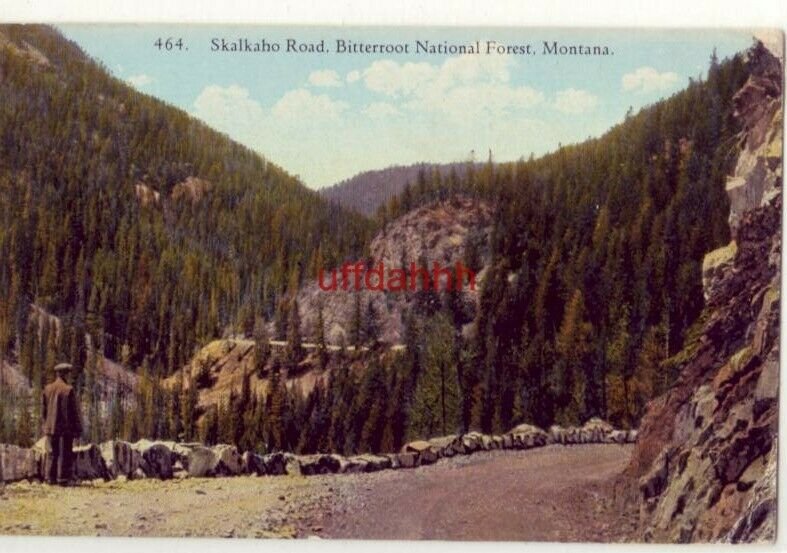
{"points": [[60, 424]]}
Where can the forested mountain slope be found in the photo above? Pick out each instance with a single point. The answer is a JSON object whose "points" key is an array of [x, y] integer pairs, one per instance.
{"points": [[594, 276], [134, 222]]}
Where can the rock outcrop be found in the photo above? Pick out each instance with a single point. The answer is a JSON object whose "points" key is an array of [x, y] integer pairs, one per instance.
{"points": [[705, 459], [437, 232]]}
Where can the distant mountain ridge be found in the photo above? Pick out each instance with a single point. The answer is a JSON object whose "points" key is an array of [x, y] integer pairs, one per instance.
{"points": [[367, 191]]}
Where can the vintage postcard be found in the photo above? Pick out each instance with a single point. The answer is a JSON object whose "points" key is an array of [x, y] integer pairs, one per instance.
{"points": [[390, 282]]}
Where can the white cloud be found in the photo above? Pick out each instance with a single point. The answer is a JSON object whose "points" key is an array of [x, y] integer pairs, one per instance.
{"points": [[467, 68], [464, 88], [394, 79], [231, 110], [408, 112], [301, 104], [478, 103], [140, 81], [647, 79], [325, 77], [226, 105], [572, 100], [353, 76], [380, 110]]}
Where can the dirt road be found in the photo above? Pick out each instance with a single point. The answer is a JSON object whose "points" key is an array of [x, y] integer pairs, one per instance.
{"points": [[547, 494], [551, 493]]}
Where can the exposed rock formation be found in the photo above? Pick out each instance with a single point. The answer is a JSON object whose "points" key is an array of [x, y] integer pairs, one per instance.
{"points": [[706, 454], [437, 232], [193, 189]]}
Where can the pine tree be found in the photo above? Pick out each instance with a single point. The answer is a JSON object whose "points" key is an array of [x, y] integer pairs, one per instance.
{"points": [[645, 382], [209, 431], [437, 404], [294, 341], [618, 354], [571, 375], [370, 409], [275, 404]]}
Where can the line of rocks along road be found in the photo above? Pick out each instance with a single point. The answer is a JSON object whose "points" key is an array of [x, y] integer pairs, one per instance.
{"points": [[165, 460]]}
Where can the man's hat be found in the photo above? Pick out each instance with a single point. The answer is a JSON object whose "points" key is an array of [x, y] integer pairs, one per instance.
{"points": [[63, 367]]}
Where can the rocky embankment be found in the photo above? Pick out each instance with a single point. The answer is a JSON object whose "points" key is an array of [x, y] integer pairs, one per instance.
{"points": [[164, 460], [706, 458]]}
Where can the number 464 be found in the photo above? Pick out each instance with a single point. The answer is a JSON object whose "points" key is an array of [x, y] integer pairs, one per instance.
{"points": [[169, 44]]}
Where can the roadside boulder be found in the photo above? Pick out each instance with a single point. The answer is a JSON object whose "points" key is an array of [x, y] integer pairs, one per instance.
{"points": [[375, 462], [197, 460], [156, 461], [407, 460], [617, 437], [596, 430], [121, 458], [423, 449], [353, 465], [525, 436], [447, 446], [319, 464], [292, 467], [17, 463], [228, 460], [558, 434], [472, 442], [572, 435], [275, 463], [394, 458], [252, 463], [89, 464]]}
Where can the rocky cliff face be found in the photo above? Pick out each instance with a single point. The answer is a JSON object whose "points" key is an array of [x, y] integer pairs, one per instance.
{"points": [[706, 457], [437, 232]]}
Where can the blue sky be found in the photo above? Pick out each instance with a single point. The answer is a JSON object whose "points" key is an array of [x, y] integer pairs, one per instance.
{"points": [[328, 116]]}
